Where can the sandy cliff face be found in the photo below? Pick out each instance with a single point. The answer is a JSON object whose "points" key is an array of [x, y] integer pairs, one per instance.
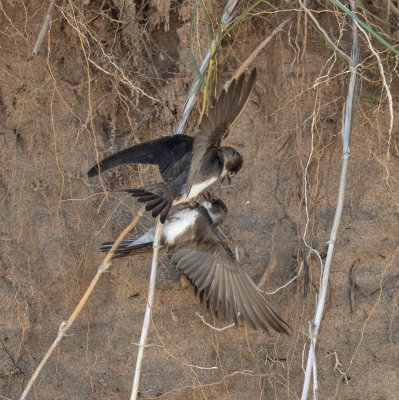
{"points": [[112, 74]]}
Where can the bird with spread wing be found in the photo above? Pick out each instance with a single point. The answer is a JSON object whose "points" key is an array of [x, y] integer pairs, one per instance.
{"points": [[188, 165], [201, 253]]}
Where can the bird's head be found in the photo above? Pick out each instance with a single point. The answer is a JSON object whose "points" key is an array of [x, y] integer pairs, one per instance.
{"points": [[232, 162], [217, 210]]}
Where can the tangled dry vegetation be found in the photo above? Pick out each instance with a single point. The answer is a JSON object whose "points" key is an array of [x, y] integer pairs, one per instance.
{"points": [[110, 74]]}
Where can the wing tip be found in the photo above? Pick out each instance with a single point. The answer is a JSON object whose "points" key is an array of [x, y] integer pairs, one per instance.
{"points": [[251, 76], [282, 327]]}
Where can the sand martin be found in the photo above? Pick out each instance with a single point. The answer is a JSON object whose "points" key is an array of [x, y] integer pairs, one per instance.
{"points": [[202, 255], [180, 227], [187, 164]]}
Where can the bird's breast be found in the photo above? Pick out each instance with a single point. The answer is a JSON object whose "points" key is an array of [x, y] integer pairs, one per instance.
{"points": [[196, 189], [180, 225]]}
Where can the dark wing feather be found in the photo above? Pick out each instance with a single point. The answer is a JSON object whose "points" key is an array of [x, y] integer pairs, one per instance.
{"points": [[164, 152], [215, 125], [158, 197], [214, 270], [126, 249]]}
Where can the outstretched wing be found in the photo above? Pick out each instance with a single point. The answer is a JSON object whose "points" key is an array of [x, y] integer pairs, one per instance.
{"points": [[215, 125], [164, 152], [214, 270]]}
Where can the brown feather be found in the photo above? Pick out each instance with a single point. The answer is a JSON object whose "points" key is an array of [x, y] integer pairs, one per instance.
{"points": [[213, 269], [215, 125]]}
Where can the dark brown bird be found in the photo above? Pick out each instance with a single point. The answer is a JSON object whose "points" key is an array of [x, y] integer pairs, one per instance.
{"points": [[188, 165], [204, 257]]}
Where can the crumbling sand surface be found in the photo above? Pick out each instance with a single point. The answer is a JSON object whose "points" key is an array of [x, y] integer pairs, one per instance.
{"points": [[114, 73]]}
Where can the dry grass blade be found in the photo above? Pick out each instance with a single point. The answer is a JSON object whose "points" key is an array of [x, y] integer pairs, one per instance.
{"points": [[314, 329], [66, 325]]}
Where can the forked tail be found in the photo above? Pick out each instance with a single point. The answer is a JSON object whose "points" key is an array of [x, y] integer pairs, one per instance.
{"points": [[127, 248]]}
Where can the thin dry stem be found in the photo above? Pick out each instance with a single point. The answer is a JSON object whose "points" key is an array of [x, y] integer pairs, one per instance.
{"points": [[146, 323], [43, 30], [285, 284], [262, 45], [314, 329], [211, 326], [314, 370], [116, 70], [386, 87], [337, 49], [64, 326], [394, 7]]}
